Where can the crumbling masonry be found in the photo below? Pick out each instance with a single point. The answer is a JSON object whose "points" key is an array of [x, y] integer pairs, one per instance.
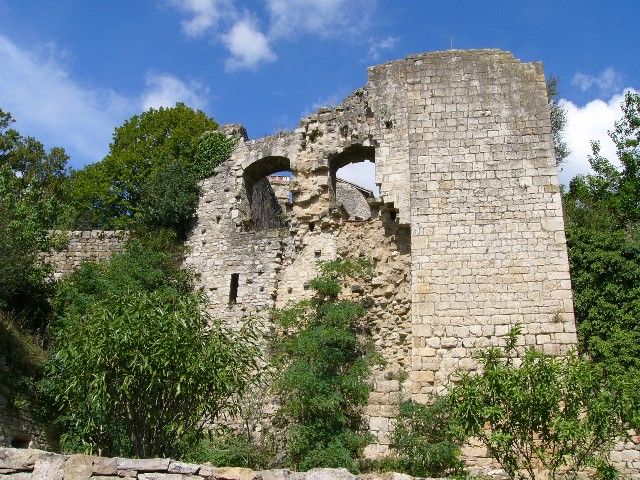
{"points": [[467, 234]]}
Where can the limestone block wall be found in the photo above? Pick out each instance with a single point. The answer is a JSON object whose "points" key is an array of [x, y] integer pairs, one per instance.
{"points": [[467, 235], [469, 204], [488, 244], [86, 246]]}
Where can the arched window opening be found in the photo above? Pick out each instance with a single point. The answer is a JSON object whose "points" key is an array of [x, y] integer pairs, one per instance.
{"points": [[267, 183], [352, 180]]}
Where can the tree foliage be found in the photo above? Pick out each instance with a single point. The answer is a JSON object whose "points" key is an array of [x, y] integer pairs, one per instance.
{"points": [[427, 440], [138, 367], [554, 416], [558, 120], [150, 175], [602, 215], [31, 189], [323, 363]]}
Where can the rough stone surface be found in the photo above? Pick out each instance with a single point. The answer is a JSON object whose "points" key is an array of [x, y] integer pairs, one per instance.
{"points": [[467, 236], [40, 465], [86, 246]]}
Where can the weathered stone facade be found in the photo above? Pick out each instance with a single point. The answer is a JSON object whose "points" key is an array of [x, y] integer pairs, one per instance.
{"points": [[86, 246], [467, 235], [19, 464]]}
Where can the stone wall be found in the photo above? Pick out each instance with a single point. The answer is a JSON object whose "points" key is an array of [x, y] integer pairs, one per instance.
{"points": [[40, 465], [86, 246], [488, 244], [467, 236], [18, 429], [29, 464]]}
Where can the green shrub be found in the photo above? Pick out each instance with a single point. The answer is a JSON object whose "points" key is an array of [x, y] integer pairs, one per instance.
{"points": [[138, 368], [560, 415], [427, 440], [230, 450], [323, 366]]}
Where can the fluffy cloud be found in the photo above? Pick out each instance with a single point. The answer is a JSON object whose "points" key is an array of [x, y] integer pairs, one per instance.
{"points": [[48, 104], [203, 15], [58, 110], [164, 90], [607, 82], [376, 47], [326, 18], [248, 45], [584, 124]]}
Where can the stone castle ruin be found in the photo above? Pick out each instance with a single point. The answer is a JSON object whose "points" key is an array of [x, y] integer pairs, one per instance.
{"points": [[467, 234]]}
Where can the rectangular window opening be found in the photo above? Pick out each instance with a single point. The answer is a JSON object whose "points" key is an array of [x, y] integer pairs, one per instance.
{"points": [[233, 288]]}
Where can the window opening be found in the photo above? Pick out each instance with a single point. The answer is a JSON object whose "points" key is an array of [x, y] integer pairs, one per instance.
{"points": [[233, 288], [352, 180], [20, 442], [268, 188]]}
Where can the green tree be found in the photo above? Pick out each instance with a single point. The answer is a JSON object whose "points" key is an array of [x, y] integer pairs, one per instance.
{"points": [[31, 191], [602, 215], [558, 120], [170, 197], [427, 440], [324, 367], [137, 366], [146, 151], [542, 415]]}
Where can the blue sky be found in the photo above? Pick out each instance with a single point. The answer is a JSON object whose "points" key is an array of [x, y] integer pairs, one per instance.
{"points": [[71, 71]]}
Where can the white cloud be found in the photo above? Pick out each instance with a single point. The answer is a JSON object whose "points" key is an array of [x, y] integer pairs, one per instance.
{"points": [[361, 173], [203, 14], [376, 47], [48, 104], [607, 82], [584, 124], [326, 18], [164, 90], [58, 110], [326, 102], [248, 45]]}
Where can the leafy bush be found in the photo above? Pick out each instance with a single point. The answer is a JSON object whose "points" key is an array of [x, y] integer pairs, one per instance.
{"points": [[149, 146], [229, 450], [561, 415], [323, 367], [138, 368], [427, 440], [31, 184]]}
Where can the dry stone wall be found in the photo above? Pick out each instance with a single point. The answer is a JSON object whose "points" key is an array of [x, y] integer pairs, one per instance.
{"points": [[86, 246], [30, 464], [40, 465]]}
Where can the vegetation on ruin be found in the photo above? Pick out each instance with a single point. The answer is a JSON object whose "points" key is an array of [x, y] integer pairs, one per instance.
{"points": [[558, 120], [137, 367], [118, 383], [602, 214], [324, 360], [539, 414], [427, 440], [150, 176]]}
